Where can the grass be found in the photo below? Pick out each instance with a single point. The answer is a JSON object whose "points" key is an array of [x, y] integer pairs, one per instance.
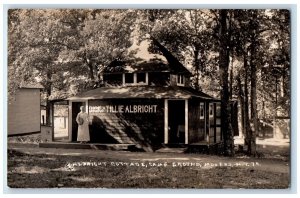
{"points": [[48, 170]]}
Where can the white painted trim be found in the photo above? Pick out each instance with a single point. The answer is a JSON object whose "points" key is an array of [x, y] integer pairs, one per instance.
{"points": [[202, 104], [147, 79], [181, 77], [186, 124], [123, 79], [135, 79], [87, 106], [211, 107], [70, 121], [166, 124]]}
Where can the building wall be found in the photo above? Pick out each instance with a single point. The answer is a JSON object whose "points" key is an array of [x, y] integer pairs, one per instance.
{"points": [[126, 121], [212, 126], [24, 112]]}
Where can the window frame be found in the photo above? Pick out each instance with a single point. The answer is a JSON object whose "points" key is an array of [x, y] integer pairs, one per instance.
{"points": [[146, 78], [180, 79], [125, 78], [211, 110], [135, 79], [201, 107]]}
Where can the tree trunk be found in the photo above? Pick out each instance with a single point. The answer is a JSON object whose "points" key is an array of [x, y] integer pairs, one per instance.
{"points": [[242, 104], [48, 92], [91, 71], [196, 62], [246, 106], [225, 103], [253, 76], [254, 117], [231, 83]]}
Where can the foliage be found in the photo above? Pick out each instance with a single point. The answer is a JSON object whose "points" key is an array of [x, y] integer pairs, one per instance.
{"points": [[66, 49]]}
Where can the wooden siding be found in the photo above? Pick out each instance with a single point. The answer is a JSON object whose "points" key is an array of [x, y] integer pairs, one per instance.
{"points": [[24, 112], [212, 123], [143, 129]]}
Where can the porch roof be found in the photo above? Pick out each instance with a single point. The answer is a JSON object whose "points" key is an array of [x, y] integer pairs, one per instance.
{"points": [[142, 92]]}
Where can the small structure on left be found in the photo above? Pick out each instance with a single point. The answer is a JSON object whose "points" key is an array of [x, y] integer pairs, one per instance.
{"points": [[24, 111]]}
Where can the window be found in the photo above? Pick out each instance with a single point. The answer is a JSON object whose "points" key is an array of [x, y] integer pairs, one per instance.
{"points": [[135, 79], [201, 111], [113, 79], [140, 78], [180, 80], [129, 79], [211, 110]]}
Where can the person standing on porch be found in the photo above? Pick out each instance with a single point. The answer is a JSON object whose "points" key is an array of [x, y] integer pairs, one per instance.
{"points": [[82, 120]]}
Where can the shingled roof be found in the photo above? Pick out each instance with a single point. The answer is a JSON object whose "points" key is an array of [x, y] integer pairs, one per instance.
{"points": [[142, 92], [165, 63]]}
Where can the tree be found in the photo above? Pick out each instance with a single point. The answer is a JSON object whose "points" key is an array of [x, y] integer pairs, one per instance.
{"points": [[224, 44], [254, 39], [64, 44], [38, 49]]}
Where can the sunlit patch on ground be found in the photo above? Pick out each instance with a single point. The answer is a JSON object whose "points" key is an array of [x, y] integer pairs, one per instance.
{"points": [[29, 170], [83, 179]]}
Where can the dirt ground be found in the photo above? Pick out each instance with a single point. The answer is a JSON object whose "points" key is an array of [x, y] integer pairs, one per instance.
{"points": [[32, 167]]}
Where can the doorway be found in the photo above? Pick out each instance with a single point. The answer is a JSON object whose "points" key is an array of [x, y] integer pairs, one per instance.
{"points": [[60, 121], [75, 111], [176, 121]]}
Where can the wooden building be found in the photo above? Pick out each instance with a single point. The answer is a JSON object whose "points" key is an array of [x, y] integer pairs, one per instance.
{"points": [[24, 112], [148, 103]]}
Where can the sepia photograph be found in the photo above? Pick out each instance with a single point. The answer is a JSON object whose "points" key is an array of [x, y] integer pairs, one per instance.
{"points": [[149, 98]]}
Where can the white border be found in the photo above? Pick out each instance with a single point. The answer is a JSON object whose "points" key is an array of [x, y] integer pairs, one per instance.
{"points": [[155, 4]]}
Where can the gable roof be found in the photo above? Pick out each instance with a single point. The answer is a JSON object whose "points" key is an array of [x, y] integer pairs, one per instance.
{"points": [[158, 63]]}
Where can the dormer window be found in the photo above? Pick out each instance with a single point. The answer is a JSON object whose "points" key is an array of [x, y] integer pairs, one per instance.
{"points": [[141, 78], [180, 80], [129, 78], [135, 79]]}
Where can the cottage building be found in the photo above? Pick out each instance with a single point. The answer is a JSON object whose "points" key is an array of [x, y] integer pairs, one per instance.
{"points": [[148, 103], [24, 113]]}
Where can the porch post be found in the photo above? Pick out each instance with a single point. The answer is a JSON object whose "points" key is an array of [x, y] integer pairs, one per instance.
{"points": [[52, 120], [186, 125], [166, 129], [70, 121], [87, 106]]}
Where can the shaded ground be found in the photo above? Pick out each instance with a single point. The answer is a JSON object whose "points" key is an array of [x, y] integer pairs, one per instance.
{"points": [[30, 166]]}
